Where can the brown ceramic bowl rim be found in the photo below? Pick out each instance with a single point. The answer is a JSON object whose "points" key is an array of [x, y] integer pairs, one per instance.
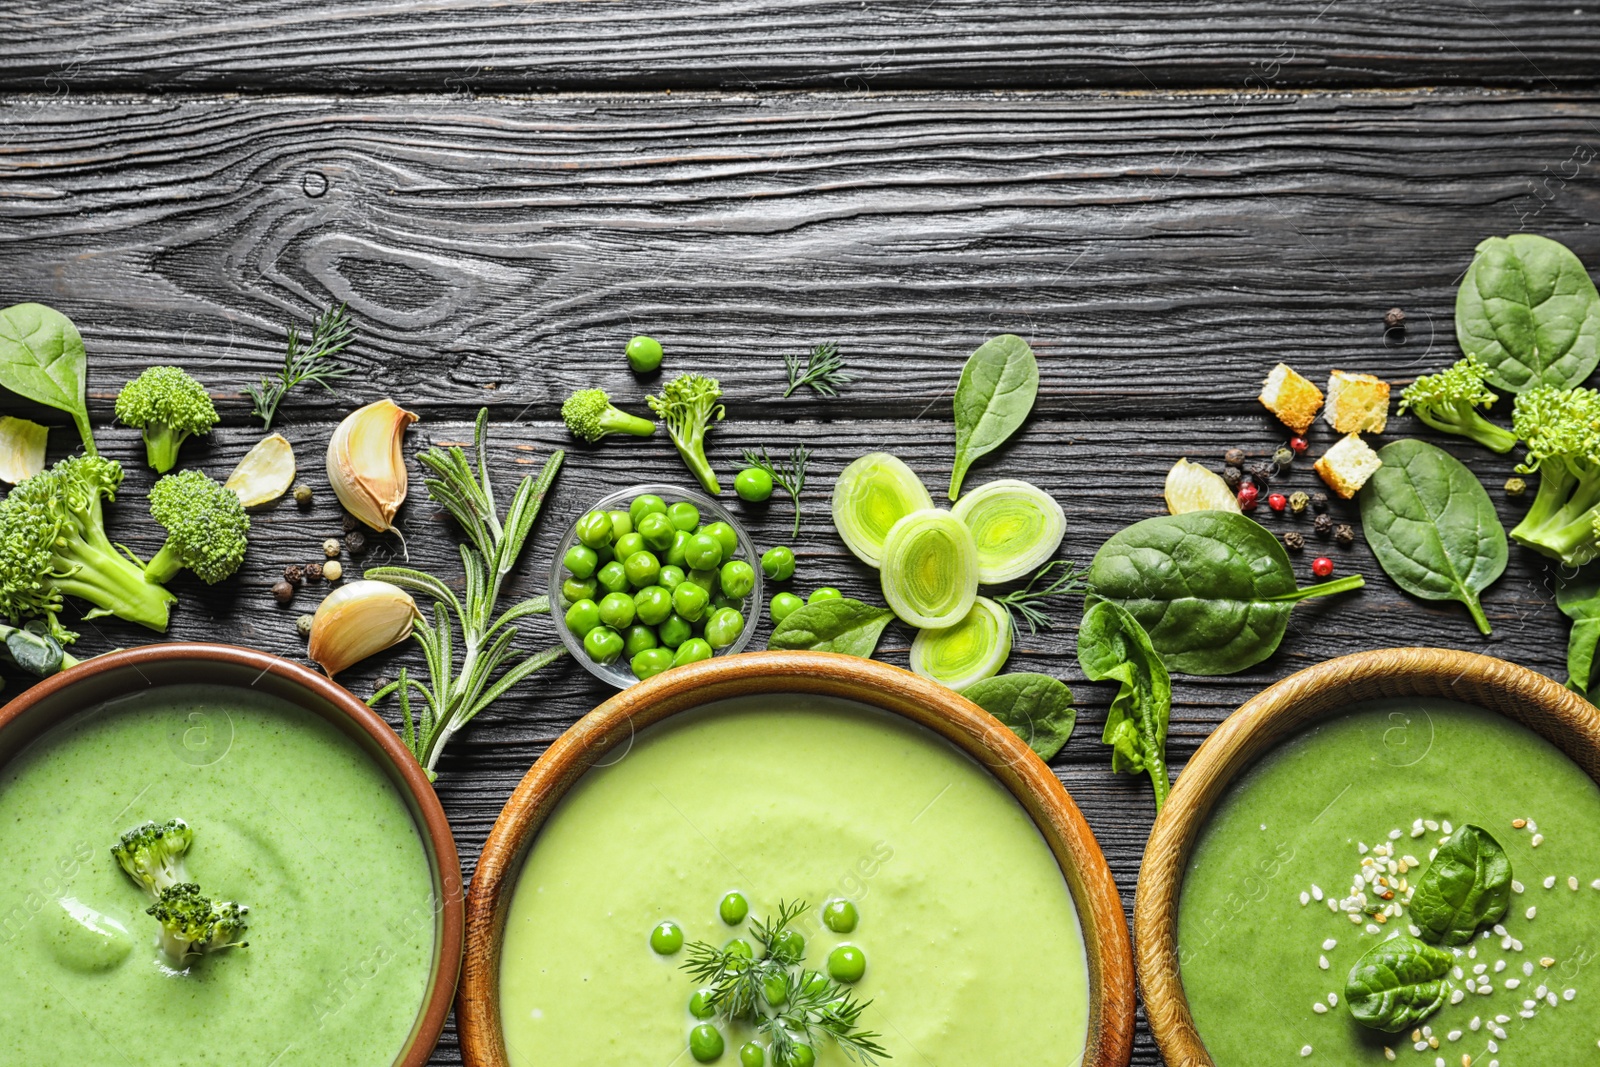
{"points": [[1279, 712], [449, 932], [968, 727]]}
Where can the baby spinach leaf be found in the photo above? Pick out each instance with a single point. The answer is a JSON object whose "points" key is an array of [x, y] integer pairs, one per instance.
{"points": [[1213, 589], [997, 389], [1579, 600], [1037, 707], [1112, 646], [1529, 311], [1397, 984], [1467, 885], [838, 625], [41, 358], [1432, 526]]}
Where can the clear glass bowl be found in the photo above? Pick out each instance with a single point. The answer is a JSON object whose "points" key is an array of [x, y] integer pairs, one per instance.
{"points": [[619, 673]]}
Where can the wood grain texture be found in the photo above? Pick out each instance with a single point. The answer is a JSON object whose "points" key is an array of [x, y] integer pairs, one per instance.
{"points": [[500, 46]]}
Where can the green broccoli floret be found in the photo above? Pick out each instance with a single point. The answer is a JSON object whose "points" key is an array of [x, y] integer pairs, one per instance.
{"points": [[168, 406], [53, 542], [152, 854], [193, 924], [206, 527], [688, 405], [1562, 431], [589, 415], [1449, 402]]}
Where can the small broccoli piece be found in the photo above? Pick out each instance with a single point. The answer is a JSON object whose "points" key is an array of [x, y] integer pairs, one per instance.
{"points": [[206, 527], [1449, 402], [152, 854], [193, 924], [53, 542], [1562, 431], [589, 415], [169, 406], [688, 405]]}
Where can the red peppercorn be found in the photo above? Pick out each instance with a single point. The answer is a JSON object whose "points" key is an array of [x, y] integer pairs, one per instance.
{"points": [[1298, 444], [1277, 501], [1322, 566], [1247, 495]]}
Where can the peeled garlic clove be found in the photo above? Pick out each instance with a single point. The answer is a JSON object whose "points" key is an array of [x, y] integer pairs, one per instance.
{"points": [[21, 449], [358, 620], [265, 473], [365, 467]]}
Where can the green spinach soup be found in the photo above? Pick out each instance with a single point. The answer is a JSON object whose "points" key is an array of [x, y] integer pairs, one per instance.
{"points": [[289, 818], [839, 858], [1416, 882]]}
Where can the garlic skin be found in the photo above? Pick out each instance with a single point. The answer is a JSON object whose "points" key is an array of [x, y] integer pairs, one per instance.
{"points": [[21, 449], [358, 620], [365, 467]]}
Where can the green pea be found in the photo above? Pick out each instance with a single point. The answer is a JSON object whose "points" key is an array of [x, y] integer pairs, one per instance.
{"points": [[814, 982], [683, 515], [840, 916], [680, 544], [652, 605], [628, 544], [752, 1055], [726, 536], [724, 627], [656, 531], [604, 555], [703, 552], [753, 484], [740, 947], [583, 616], [666, 938], [603, 644], [777, 563], [651, 662], [706, 580], [642, 568], [689, 600], [644, 355], [594, 529], [574, 590], [674, 631], [613, 577], [700, 1004], [784, 605], [621, 524], [826, 592], [646, 504], [638, 638], [581, 560], [774, 990], [616, 610], [790, 946], [801, 1056], [691, 651], [670, 577], [733, 908], [705, 1043], [738, 578], [722, 600], [847, 964]]}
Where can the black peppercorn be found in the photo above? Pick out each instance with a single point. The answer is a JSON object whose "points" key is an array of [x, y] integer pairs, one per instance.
{"points": [[1294, 540], [283, 592], [1262, 473], [1344, 535], [294, 574], [1394, 317], [1233, 476], [1323, 525], [1234, 457], [1283, 458], [313, 572], [355, 542], [350, 523], [1319, 502]]}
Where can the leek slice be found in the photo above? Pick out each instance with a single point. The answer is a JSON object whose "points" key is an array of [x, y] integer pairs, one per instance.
{"points": [[930, 569], [973, 649], [1016, 526], [871, 495]]}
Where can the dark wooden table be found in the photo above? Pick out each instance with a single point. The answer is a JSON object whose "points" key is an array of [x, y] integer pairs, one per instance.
{"points": [[1165, 199]]}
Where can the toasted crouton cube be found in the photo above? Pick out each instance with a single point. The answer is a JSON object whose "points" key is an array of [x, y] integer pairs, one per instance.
{"points": [[1292, 398], [1347, 465], [1357, 403]]}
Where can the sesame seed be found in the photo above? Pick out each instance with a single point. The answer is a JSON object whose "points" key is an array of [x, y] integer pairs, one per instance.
{"points": [[1476, 1023], [1417, 831], [1330, 944], [1569, 994], [1541, 991], [1547, 962], [1333, 1000], [1502, 1019], [1595, 885], [1416, 931], [1306, 1051], [1373, 929], [1516, 886], [1305, 898], [1322, 961], [1430, 824], [1572, 882], [1519, 823], [1319, 1007], [1516, 946], [1527, 969], [1532, 912], [1420, 1045], [1538, 839], [1456, 998], [1454, 1035], [1433, 854], [1499, 965], [1550, 882], [1550, 999], [1512, 983], [1316, 892], [1394, 835], [1499, 930], [1526, 1013], [1480, 968], [1533, 827], [1388, 1053], [1446, 827]]}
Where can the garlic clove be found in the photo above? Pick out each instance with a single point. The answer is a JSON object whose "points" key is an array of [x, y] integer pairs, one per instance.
{"points": [[21, 449], [365, 467], [265, 473], [358, 620]]}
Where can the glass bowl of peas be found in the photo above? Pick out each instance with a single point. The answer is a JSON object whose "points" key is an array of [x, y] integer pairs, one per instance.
{"points": [[652, 577]]}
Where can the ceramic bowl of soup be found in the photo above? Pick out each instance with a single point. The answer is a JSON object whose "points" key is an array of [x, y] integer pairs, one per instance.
{"points": [[300, 804], [1391, 856], [921, 862]]}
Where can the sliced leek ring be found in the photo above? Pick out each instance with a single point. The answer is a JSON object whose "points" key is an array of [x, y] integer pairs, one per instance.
{"points": [[929, 570], [1015, 525], [973, 649], [871, 495]]}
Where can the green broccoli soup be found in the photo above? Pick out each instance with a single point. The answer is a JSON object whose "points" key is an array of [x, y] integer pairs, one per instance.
{"points": [[777, 880], [293, 900], [1411, 881]]}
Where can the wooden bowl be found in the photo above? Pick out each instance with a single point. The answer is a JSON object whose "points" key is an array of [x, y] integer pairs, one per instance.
{"points": [[1562, 717], [61, 696], [964, 724]]}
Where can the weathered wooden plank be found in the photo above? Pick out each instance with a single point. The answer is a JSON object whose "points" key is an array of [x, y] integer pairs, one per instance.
{"points": [[479, 46]]}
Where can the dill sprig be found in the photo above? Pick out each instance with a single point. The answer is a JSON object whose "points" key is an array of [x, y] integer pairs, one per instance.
{"points": [[331, 333], [789, 474], [823, 370], [1025, 601]]}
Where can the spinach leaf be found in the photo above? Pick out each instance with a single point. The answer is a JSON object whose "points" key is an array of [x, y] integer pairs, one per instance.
{"points": [[1467, 885], [35, 652], [1112, 646], [1397, 984], [1579, 600], [1432, 526], [1529, 311], [41, 358], [1037, 707], [997, 389], [1212, 588], [838, 625]]}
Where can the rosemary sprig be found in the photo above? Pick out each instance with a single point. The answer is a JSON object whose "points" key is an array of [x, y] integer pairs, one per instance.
{"points": [[458, 690], [331, 333], [789, 474], [1025, 601], [823, 370]]}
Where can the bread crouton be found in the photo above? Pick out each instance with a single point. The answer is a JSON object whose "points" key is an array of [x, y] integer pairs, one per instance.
{"points": [[1347, 465], [1357, 403], [1292, 398]]}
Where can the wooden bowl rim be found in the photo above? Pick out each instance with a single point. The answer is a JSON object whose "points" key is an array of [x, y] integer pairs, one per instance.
{"points": [[450, 909], [1271, 716], [871, 682]]}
